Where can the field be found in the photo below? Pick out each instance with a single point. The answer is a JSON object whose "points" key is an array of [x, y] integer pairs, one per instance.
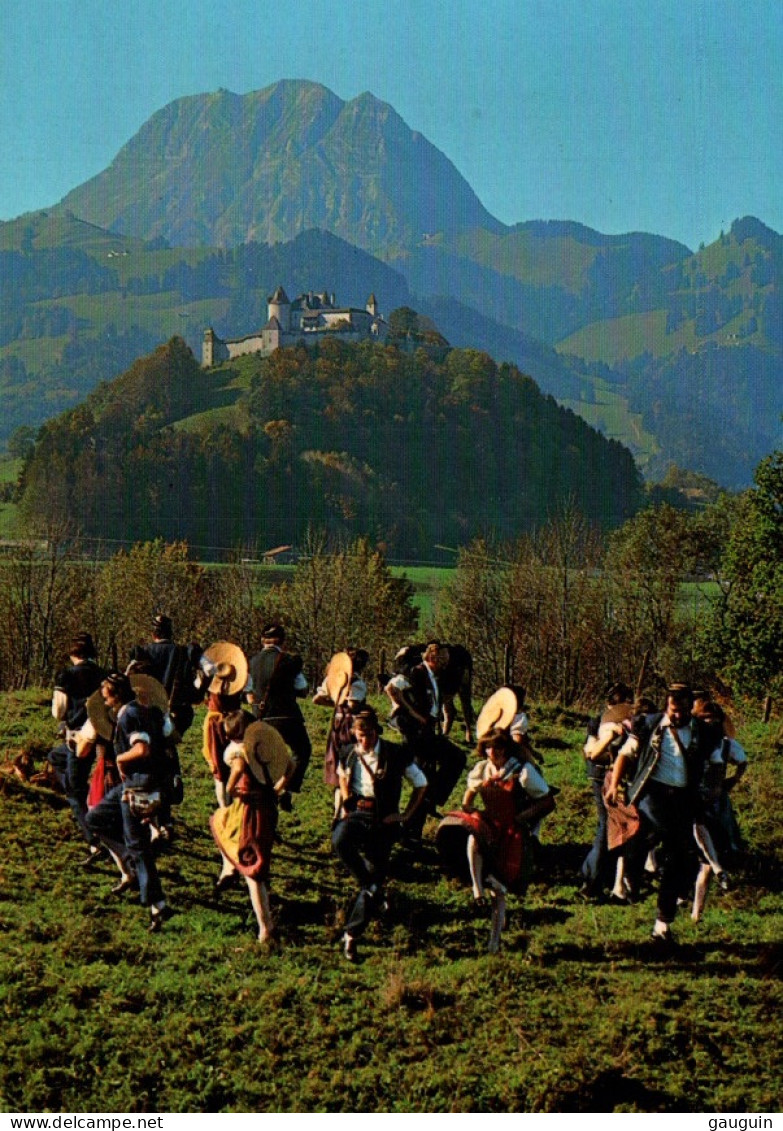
{"points": [[575, 1014]]}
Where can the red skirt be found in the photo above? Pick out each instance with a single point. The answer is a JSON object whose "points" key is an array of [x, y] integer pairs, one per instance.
{"points": [[245, 833], [501, 839]]}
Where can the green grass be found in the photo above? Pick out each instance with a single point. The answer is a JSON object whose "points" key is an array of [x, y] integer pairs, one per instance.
{"points": [[9, 468], [8, 520], [609, 413], [576, 1013]]}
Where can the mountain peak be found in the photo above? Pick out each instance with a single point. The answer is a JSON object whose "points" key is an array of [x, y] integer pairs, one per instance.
{"points": [[749, 228], [224, 169]]}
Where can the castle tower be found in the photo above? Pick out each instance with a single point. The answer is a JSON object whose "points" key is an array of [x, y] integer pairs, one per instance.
{"points": [[208, 348], [279, 307]]}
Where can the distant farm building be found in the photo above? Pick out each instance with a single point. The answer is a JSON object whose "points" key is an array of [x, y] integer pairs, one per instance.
{"points": [[304, 321]]}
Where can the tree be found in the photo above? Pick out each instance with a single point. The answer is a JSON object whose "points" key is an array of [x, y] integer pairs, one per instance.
{"points": [[750, 621], [44, 598], [649, 559], [403, 321], [152, 577], [341, 596], [21, 441]]}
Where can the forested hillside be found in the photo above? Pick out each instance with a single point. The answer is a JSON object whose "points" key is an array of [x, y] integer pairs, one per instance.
{"points": [[416, 449]]}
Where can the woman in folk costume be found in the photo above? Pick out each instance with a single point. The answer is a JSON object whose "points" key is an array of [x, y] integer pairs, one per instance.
{"points": [[495, 841], [227, 665], [343, 689], [244, 831]]}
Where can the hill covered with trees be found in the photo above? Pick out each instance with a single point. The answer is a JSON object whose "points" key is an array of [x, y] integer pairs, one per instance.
{"points": [[415, 448]]}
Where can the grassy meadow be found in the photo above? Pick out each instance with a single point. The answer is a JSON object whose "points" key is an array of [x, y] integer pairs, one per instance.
{"points": [[576, 1013]]}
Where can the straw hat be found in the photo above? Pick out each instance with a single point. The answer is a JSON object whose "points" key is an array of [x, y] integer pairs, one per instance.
{"points": [[498, 711], [338, 677], [150, 691], [146, 687], [230, 662], [265, 748], [98, 714]]}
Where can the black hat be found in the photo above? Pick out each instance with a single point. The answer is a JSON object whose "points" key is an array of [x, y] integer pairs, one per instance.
{"points": [[162, 626], [680, 691], [273, 631]]}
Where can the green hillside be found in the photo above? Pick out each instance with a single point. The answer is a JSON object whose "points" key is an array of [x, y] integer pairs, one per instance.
{"points": [[417, 449]]}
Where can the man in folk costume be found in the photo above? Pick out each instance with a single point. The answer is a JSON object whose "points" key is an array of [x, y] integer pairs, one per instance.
{"points": [[227, 667], [417, 710], [276, 682], [174, 665], [121, 819], [371, 773], [73, 687], [670, 755]]}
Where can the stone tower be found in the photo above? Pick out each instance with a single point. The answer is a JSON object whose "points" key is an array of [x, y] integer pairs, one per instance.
{"points": [[280, 308]]}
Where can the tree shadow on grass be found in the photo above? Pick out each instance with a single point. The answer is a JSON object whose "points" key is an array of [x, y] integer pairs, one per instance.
{"points": [[721, 959], [612, 1090]]}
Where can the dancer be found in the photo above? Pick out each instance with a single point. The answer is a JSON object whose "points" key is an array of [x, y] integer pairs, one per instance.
{"points": [[495, 841], [229, 669], [121, 819], [371, 774], [244, 831]]}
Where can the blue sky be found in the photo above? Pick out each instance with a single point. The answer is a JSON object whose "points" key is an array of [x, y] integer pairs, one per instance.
{"points": [[647, 115]]}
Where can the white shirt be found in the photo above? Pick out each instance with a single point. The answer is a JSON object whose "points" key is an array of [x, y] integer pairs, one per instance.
{"points": [[531, 780], [520, 724], [671, 768], [361, 782], [735, 755]]}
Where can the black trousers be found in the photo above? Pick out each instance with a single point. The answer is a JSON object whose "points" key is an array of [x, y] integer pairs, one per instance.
{"points": [[364, 845], [667, 816], [440, 761]]}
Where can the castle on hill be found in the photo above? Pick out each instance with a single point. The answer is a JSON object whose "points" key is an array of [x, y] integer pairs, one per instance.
{"points": [[304, 321]]}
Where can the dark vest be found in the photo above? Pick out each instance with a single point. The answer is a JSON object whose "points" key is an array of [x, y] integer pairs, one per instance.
{"points": [[149, 720], [422, 696], [393, 760], [697, 756], [273, 674], [78, 682]]}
